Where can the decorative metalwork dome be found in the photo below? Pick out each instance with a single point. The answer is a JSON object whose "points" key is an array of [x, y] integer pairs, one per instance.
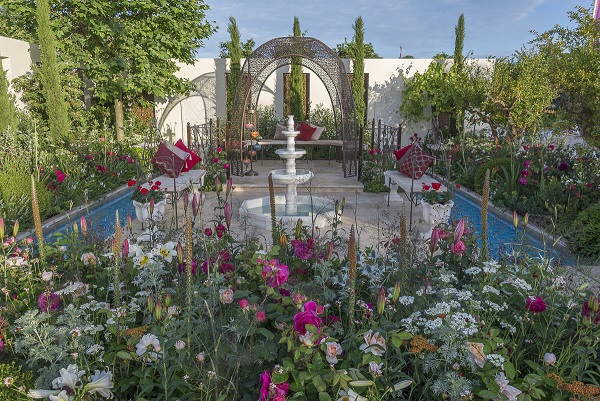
{"points": [[317, 57]]}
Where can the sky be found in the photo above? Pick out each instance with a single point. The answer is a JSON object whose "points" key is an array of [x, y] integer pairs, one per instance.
{"points": [[422, 28]]}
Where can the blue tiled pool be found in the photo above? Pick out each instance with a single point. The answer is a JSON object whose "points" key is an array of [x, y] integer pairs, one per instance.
{"points": [[502, 237], [101, 220]]}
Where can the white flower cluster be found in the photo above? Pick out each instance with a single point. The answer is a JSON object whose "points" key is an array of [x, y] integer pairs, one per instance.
{"points": [[464, 323], [491, 267], [496, 360], [489, 288], [406, 300]]}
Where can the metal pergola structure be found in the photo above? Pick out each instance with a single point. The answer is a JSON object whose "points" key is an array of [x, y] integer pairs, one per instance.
{"points": [[317, 57]]}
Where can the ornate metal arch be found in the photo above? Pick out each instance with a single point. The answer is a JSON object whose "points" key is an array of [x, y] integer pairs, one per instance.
{"points": [[317, 57]]}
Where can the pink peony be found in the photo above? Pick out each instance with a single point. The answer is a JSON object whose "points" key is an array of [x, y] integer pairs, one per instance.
{"points": [[536, 305], [307, 316]]}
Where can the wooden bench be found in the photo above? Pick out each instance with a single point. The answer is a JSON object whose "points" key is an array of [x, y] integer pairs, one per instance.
{"points": [[412, 188]]}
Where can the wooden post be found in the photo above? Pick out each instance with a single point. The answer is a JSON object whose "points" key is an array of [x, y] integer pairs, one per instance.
{"points": [[372, 133], [379, 134], [399, 137], [210, 133], [189, 135]]}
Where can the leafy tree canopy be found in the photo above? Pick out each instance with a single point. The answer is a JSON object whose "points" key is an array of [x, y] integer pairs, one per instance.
{"points": [[347, 49]]}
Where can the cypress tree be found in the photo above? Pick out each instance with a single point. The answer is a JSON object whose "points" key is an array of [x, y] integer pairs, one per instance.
{"points": [[235, 54], [358, 76], [296, 81], [56, 106], [459, 40], [8, 117]]}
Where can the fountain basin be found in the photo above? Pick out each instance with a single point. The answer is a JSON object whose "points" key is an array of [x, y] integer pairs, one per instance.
{"points": [[282, 177], [315, 208], [290, 154]]}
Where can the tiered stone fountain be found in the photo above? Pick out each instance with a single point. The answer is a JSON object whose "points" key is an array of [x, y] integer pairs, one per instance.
{"points": [[290, 207]]}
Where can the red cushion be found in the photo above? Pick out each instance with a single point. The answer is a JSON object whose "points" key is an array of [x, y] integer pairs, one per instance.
{"points": [[192, 160], [306, 132], [415, 162], [169, 159], [400, 152]]}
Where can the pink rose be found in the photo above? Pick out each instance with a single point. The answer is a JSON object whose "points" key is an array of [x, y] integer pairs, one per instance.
{"points": [[260, 316], [536, 305], [244, 303], [307, 316]]}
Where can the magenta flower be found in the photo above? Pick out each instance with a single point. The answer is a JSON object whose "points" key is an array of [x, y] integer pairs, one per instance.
{"points": [[60, 176], [524, 173], [208, 231], [307, 316], [563, 166], [458, 248], [536, 305], [435, 237], [276, 273], [527, 163], [48, 302], [523, 181], [588, 310], [265, 385], [220, 230], [303, 250]]}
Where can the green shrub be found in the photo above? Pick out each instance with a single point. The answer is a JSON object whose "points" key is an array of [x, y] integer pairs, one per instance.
{"points": [[15, 199], [583, 235], [496, 167]]}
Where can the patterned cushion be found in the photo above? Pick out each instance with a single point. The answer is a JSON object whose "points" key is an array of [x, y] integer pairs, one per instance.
{"points": [[279, 132], [306, 132], [193, 158], [415, 162], [169, 159]]}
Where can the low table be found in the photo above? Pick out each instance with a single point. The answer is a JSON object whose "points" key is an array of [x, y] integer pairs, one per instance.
{"points": [[412, 188], [192, 180]]}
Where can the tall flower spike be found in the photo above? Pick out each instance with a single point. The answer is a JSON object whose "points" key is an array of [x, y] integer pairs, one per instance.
{"points": [[351, 278], [37, 221], [227, 214], [381, 301], [16, 228], [229, 187], [403, 232], [1, 228], [125, 252], [195, 205], [459, 231], [84, 227]]}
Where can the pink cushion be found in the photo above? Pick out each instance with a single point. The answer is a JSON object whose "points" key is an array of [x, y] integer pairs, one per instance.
{"points": [[400, 152], [306, 132], [192, 160], [169, 159], [317, 134], [414, 162]]}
